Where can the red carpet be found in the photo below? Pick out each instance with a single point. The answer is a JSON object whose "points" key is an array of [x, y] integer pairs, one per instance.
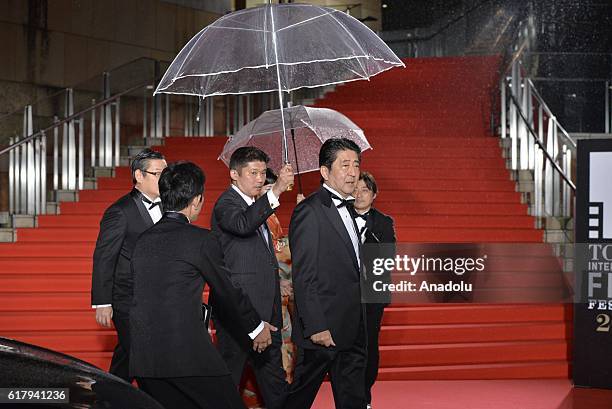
{"points": [[513, 394], [442, 177]]}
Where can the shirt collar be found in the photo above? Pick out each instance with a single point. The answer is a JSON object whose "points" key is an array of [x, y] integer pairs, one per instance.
{"points": [[173, 214], [247, 199], [337, 194]]}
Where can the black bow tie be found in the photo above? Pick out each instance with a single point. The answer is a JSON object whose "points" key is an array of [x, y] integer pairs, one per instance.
{"points": [[343, 202], [363, 216], [150, 203]]}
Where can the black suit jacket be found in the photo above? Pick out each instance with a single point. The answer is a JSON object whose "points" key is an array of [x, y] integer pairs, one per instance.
{"points": [[252, 262], [326, 276], [171, 263], [379, 231], [379, 228], [120, 227]]}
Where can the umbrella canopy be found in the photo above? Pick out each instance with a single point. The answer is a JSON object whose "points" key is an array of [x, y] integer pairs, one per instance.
{"points": [[277, 47], [310, 127]]}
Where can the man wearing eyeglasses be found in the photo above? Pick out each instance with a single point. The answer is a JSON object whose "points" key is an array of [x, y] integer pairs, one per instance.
{"points": [[122, 223]]}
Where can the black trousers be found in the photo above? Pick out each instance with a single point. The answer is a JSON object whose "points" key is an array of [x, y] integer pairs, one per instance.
{"points": [[236, 349], [120, 363], [193, 392], [374, 314], [346, 369]]}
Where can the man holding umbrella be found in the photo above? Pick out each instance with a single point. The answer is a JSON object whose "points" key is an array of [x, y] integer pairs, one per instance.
{"points": [[239, 219]]}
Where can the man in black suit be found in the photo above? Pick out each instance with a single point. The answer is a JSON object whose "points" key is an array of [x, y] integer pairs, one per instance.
{"points": [[172, 355], [122, 223], [329, 326], [374, 228], [239, 220]]}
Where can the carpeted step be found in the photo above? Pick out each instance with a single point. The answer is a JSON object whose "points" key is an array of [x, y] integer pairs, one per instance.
{"points": [[45, 265], [513, 370], [60, 283], [47, 249], [465, 235], [69, 301], [434, 163], [460, 333], [73, 341], [475, 313], [58, 234], [472, 353], [83, 320]]}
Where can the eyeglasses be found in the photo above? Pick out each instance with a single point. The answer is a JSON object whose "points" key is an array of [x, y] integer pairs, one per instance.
{"points": [[156, 174]]}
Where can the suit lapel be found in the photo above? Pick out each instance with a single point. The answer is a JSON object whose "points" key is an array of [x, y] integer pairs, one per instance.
{"points": [[144, 213], [336, 220]]}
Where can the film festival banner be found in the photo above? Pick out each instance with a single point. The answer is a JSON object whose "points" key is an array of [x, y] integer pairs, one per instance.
{"points": [[593, 309]]}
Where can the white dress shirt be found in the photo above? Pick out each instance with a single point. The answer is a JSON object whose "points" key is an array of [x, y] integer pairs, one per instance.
{"points": [[155, 212], [347, 219]]}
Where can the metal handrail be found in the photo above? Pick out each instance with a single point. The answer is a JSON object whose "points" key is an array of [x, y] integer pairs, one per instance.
{"points": [[80, 84], [549, 112], [539, 143], [542, 147], [72, 118]]}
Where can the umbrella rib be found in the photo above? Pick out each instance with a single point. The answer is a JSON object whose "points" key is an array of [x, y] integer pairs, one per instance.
{"points": [[240, 29], [357, 43], [308, 19], [178, 77], [195, 39]]}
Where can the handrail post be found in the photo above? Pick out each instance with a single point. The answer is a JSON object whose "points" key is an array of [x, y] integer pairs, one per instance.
{"points": [[81, 155], [55, 155], [93, 134], [514, 116], [30, 174], [607, 104], [12, 179], [117, 155], [145, 119], [71, 139], [43, 173], [108, 128], [502, 86], [167, 123], [228, 129]]}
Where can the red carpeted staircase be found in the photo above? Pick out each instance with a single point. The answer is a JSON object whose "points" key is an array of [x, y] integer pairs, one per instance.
{"points": [[441, 176]]}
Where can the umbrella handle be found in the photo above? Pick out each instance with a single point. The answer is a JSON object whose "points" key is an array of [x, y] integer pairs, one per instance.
{"points": [[297, 163]]}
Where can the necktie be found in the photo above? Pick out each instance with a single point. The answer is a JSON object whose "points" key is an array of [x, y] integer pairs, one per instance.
{"points": [[150, 203], [343, 202], [264, 232], [362, 216]]}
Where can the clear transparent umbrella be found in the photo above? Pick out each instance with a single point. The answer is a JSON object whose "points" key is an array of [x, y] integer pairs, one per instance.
{"points": [[309, 128], [277, 47]]}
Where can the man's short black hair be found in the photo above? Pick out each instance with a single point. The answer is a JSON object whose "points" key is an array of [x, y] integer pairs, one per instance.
{"points": [[331, 147], [179, 183], [246, 154], [141, 161], [271, 177], [369, 181]]}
